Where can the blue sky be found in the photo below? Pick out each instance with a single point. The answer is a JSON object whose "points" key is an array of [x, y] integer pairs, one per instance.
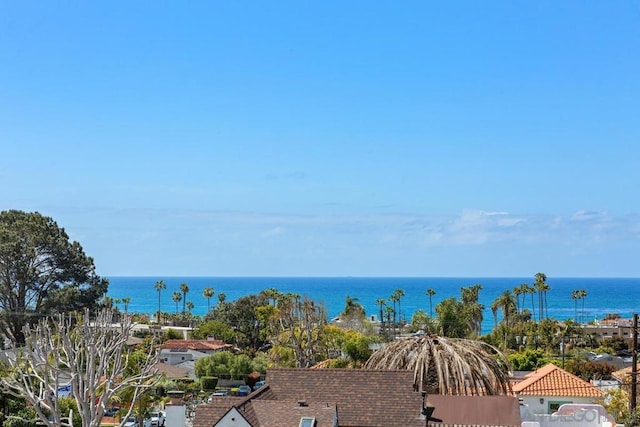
{"points": [[328, 138]]}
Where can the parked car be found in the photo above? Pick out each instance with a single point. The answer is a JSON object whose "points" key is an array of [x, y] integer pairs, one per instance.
{"points": [[258, 384], [131, 422], [111, 412], [157, 418], [244, 390]]}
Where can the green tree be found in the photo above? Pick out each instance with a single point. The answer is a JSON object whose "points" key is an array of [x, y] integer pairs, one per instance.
{"points": [[185, 289], [528, 360], [222, 363], [298, 325], [160, 286], [41, 272], [208, 294], [215, 329], [176, 297], [244, 316], [190, 306], [473, 309], [453, 320]]}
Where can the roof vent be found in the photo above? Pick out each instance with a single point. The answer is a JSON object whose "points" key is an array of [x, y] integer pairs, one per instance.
{"points": [[302, 403]]}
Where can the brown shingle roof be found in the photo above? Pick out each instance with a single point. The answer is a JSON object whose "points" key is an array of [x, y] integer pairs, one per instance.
{"points": [[359, 398], [624, 374], [171, 371], [364, 397], [551, 380]]}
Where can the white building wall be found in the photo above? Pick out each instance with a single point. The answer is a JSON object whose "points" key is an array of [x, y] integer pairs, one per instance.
{"points": [[534, 406], [232, 419]]}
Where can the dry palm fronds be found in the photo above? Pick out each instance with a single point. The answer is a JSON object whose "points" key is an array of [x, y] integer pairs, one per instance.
{"points": [[446, 365]]}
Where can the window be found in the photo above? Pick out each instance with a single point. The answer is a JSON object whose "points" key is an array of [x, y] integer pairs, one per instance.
{"points": [[555, 405], [307, 422]]}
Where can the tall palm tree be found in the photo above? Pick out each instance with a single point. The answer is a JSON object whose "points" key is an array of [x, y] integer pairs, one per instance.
{"points": [[126, 301], [504, 301], [185, 289], [176, 297], [495, 306], [208, 294], [524, 291], [394, 298], [381, 303], [575, 296], [541, 286], [160, 286], [531, 291], [583, 295], [399, 293], [431, 292], [517, 291], [446, 365]]}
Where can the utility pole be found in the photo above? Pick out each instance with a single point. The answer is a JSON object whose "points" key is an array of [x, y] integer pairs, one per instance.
{"points": [[634, 365]]}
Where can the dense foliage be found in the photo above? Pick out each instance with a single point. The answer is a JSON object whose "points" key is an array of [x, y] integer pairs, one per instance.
{"points": [[41, 272]]}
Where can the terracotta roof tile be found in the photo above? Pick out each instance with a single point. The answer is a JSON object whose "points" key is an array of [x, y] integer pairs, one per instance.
{"points": [[551, 380]]}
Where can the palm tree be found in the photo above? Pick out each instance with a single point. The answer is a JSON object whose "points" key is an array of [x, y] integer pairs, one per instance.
{"points": [[495, 306], [575, 296], [381, 302], [353, 306], [523, 290], [583, 295], [126, 301], [431, 292], [450, 366], [208, 294], [160, 286], [185, 289], [177, 297], [388, 310], [399, 293], [222, 297], [190, 306], [542, 287], [532, 290], [394, 298], [517, 291]]}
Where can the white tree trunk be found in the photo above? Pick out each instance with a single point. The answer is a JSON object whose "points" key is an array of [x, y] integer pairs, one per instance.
{"points": [[89, 355]]}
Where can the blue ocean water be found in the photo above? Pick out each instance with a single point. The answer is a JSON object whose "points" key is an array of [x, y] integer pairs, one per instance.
{"points": [[605, 295]]}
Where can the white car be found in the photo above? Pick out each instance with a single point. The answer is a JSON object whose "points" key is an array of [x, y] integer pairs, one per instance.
{"points": [[131, 422], [157, 418]]}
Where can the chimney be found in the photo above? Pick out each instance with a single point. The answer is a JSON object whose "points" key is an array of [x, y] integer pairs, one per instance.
{"points": [[176, 413]]}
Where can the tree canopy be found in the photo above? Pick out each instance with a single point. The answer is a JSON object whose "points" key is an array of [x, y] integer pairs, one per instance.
{"points": [[41, 272]]}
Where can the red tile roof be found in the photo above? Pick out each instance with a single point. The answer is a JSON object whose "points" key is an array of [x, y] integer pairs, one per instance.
{"points": [[551, 380]]}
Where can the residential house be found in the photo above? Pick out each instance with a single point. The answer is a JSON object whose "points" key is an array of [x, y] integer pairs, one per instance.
{"points": [[351, 398], [543, 391], [174, 352]]}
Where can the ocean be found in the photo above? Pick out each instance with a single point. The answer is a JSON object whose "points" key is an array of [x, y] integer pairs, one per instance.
{"points": [[604, 295]]}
